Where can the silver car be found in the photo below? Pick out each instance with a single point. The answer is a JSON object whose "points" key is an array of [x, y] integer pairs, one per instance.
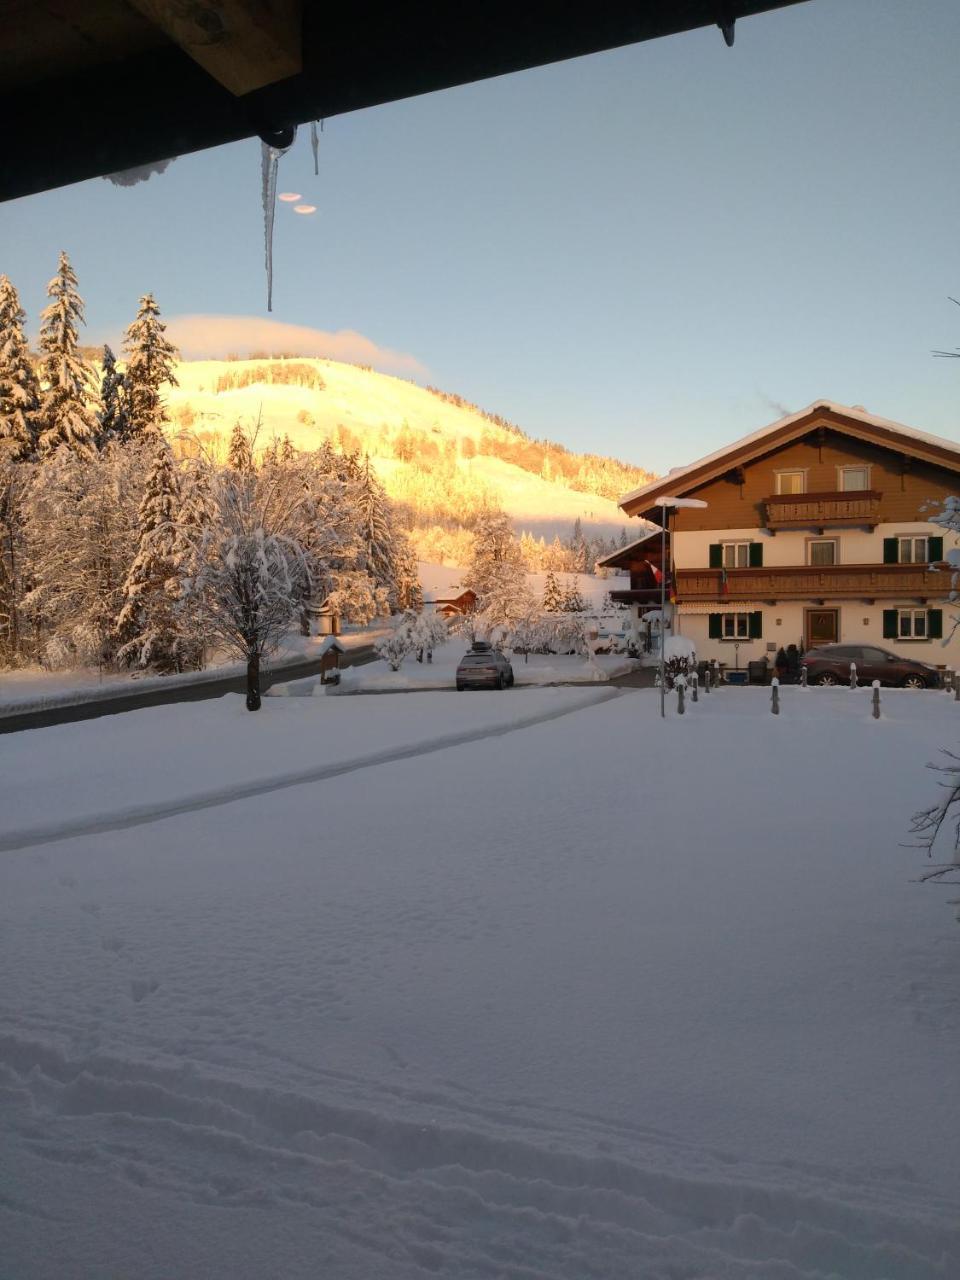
{"points": [[484, 668]]}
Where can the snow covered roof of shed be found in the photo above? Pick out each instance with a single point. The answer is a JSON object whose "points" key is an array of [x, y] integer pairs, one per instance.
{"points": [[853, 420]]}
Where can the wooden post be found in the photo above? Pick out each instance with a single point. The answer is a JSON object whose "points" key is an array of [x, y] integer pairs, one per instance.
{"points": [[694, 684], [956, 690], [775, 696], [803, 676], [876, 699], [853, 675], [680, 707], [706, 679]]}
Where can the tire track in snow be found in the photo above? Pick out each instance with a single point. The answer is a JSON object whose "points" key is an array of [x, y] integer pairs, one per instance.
{"points": [[141, 815]]}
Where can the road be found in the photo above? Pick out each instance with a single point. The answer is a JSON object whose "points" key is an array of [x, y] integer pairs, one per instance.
{"points": [[44, 717]]}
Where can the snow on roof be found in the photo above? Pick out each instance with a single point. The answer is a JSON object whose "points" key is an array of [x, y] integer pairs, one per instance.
{"points": [[857, 412]]}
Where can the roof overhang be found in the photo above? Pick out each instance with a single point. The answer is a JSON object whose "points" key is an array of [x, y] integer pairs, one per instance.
{"points": [[633, 551], [92, 87], [855, 422]]}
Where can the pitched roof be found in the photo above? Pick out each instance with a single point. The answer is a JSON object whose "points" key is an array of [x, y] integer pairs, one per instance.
{"points": [[854, 421]]}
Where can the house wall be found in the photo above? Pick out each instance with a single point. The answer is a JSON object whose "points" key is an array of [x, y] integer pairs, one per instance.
{"points": [[789, 546], [783, 624], [740, 506]]}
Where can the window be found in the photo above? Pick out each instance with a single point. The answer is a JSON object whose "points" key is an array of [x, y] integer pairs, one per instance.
{"points": [[912, 548], [735, 626], [736, 555], [822, 551], [791, 481], [912, 551], [853, 478], [912, 624]]}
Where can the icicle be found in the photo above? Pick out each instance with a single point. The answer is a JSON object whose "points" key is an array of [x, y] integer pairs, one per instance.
{"points": [[269, 164], [315, 144], [269, 160]]}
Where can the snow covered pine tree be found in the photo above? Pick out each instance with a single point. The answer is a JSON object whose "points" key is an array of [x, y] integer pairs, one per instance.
{"points": [[112, 415], [150, 361], [65, 416], [19, 391], [148, 625]]}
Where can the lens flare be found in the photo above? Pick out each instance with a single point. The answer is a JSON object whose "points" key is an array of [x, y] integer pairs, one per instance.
{"points": [[304, 208], [289, 197]]}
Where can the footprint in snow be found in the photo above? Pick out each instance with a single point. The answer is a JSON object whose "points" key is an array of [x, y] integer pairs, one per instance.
{"points": [[140, 988]]}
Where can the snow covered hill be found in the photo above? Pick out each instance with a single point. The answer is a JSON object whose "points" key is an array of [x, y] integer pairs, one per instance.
{"points": [[437, 454]]}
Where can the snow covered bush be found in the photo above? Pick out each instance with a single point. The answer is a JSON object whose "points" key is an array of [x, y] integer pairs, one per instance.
{"points": [[393, 648]]}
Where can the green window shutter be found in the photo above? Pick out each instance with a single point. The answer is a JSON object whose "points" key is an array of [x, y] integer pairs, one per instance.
{"points": [[714, 625], [756, 555], [935, 624], [756, 625], [716, 555], [891, 551], [935, 548], [889, 620]]}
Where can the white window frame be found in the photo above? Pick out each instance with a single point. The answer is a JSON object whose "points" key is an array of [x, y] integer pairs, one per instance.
{"points": [[865, 467], [791, 471], [813, 542], [734, 547], [734, 637], [911, 616], [913, 539]]}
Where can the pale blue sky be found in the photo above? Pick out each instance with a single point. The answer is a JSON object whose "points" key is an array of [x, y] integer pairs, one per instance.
{"points": [[640, 253]]}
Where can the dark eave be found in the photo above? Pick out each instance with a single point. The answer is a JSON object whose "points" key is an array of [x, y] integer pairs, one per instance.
{"points": [[121, 92]]}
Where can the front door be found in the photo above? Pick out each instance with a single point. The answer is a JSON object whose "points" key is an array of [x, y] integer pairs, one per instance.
{"points": [[823, 627]]}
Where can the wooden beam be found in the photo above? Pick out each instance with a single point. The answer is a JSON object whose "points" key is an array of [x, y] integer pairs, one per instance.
{"points": [[243, 44]]}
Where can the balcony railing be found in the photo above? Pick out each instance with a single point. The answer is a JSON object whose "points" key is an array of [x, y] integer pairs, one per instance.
{"points": [[809, 582], [823, 510], [643, 595]]}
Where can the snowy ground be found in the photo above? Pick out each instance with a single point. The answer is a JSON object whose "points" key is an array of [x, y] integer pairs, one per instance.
{"points": [[602, 996], [33, 688]]}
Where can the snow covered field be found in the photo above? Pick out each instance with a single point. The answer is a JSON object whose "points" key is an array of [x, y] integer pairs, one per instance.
{"points": [[602, 996]]}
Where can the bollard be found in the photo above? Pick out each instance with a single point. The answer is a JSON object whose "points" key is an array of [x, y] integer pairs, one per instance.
{"points": [[853, 675], [680, 696], [775, 696], [706, 680], [956, 690], [948, 679], [694, 685], [876, 699]]}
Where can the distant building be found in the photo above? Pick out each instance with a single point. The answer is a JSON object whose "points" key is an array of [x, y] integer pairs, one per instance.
{"points": [[451, 606]]}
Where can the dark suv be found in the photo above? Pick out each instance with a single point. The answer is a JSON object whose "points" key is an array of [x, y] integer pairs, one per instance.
{"points": [[830, 664]]}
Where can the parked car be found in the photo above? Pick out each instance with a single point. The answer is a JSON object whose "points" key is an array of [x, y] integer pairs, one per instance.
{"points": [[830, 664], [484, 668]]}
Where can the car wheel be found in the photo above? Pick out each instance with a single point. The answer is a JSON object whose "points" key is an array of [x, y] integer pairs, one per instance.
{"points": [[501, 681], [460, 686], [914, 682], [826, 678]]}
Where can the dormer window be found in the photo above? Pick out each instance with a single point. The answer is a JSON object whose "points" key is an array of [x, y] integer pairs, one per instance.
{"points": [[791, 481], [853, 479]]}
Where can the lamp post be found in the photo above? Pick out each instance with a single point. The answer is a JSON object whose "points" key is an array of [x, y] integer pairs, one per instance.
{"points": [[666, 504]]}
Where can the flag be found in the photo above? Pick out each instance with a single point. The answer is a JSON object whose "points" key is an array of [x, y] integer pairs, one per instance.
{"points": [[724, 585], [657, 575]]}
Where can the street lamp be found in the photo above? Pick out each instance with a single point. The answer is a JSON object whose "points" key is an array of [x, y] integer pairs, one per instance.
{"points": [[667, 504]]}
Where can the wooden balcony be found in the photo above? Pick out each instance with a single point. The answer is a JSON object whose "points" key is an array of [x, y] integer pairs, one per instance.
{"points": [[809, 582], [644, 595], [823, 510]]}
